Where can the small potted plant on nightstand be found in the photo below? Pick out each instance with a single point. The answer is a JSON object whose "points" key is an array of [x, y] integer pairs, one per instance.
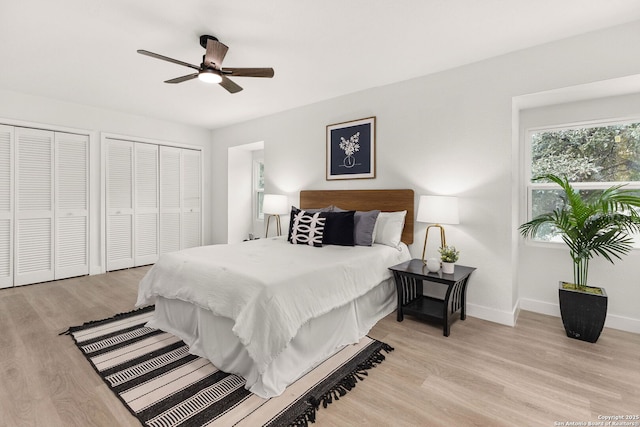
{"points": [[448, 255], [599, 224]]}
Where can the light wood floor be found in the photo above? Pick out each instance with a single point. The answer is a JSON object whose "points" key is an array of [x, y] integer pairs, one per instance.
{"points": [[484, 374]]}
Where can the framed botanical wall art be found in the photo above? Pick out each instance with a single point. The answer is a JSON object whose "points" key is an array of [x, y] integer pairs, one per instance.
{"points": [[351, 149]]}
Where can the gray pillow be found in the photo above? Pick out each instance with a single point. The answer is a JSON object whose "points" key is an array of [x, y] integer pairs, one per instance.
{"points": [[326, 209], [363, 225]]}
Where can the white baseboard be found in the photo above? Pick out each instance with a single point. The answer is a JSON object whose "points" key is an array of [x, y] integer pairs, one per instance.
{"points": [[613, 321], [491, 314], [541, 307], [509, 318], [623, 323]]}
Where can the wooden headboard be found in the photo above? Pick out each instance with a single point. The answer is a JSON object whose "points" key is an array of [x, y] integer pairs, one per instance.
{"points": [[364, 200]]}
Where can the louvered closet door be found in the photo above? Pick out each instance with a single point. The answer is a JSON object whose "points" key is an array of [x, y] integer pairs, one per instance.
{"points": [[119, 204], [72, 204], [34, 231], [6, 206], [170, 199], [191, 203], [146, 204]]}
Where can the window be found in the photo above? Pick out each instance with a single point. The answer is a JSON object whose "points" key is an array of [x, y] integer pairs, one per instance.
{"points": [[258, 187], [593, 157]]}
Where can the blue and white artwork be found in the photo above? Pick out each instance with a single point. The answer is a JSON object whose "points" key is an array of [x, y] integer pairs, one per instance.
{"points": [[351, 149]]}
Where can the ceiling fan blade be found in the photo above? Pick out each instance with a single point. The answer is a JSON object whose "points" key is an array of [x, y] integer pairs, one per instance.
{"points": [[182, 79], [249, 72], [229, 85], [216, 52], [166, 58]]}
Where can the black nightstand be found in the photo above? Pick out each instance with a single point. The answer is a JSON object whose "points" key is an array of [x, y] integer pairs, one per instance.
{"points": [[409, 278]]}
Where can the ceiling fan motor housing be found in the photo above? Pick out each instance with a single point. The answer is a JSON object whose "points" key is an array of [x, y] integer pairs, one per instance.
{"points": [[204, 38]]}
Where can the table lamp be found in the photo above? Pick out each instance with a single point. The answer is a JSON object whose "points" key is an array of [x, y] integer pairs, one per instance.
{"points": [[273, 205], [437, 210]]}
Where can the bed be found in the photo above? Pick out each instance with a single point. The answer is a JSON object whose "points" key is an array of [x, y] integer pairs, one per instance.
{"points": [[269, 310]]}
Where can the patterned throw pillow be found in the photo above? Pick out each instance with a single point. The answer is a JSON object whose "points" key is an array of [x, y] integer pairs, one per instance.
{"points": [[307, 229], [295, 210]]}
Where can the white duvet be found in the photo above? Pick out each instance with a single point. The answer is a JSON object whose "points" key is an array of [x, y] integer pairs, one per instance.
{"points": [[269, 287]]}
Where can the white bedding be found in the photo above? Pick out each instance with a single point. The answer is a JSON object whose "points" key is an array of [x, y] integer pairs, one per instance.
{"points": [[210, 336], [269, 288]]}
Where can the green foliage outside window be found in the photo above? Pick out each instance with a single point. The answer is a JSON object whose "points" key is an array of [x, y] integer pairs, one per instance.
{"points": [[260, 173], [258, 187], [597, 154], [594, 154]]}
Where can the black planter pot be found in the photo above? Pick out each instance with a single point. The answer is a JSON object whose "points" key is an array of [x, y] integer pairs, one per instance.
{"points": [[583, 314]]}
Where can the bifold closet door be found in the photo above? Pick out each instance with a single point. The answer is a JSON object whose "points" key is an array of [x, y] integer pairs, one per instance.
{"points": [[6, 206], [34, 228], [119, 180], [180, 198], [191, 203], [146, 224], [153, 201], [71, 205], [170, 199]]}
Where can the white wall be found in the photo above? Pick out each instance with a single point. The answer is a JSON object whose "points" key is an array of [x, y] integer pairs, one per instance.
{"points": [[239, 194], [448, 133], [240, 204], [21, 109]]}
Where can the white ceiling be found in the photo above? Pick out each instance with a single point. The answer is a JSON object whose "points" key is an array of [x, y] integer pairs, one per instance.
{"points": [[84, 51]]}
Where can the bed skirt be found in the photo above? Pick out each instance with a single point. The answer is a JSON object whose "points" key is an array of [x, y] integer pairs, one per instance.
{"points": [[211, 337]]}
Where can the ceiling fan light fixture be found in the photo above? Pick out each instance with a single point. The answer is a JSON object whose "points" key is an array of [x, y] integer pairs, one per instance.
{"points": [[209, 76], [209, 70]]}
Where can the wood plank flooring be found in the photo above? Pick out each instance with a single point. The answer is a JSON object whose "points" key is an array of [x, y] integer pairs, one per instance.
{"points": [[484, 374]]}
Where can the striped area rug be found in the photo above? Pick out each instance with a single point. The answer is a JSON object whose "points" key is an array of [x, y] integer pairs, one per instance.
{"points": [[157, 379]]}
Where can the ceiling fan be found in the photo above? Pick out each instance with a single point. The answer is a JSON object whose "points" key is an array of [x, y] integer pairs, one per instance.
{"points": [[210, 70]]}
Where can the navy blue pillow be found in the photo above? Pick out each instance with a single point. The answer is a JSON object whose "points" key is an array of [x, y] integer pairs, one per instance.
{"points": [[338, 229]]}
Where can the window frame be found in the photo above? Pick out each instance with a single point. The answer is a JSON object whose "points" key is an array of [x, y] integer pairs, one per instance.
{"points": [[530, 186], [257, 190]]}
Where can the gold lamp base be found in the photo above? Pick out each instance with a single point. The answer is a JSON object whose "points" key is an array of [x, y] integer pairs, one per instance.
{"points": [[443, 240], [278, 226]]}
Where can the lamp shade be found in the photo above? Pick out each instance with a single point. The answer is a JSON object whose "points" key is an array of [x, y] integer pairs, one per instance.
{"points": [[438, 210], [275, 204]]}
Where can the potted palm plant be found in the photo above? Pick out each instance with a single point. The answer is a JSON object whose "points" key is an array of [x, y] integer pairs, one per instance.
{"points": [[596, 225]]}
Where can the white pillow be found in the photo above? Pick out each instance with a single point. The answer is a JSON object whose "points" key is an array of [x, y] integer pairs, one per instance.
{"points": [[388, 229]]}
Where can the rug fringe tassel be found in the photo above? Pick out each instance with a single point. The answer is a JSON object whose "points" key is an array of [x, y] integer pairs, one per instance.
{"points": [[308, 416], [341, 388], [117, 316]]}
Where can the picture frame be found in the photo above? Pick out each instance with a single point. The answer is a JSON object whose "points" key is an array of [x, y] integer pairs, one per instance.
{"points": [[351, 149]]}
